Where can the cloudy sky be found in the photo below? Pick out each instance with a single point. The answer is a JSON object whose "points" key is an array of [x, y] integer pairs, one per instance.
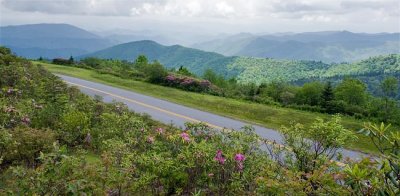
{"points": [[211, 16]]}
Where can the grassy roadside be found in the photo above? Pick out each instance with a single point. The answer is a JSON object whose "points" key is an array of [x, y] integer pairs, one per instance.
{"points": [[265, 115]]}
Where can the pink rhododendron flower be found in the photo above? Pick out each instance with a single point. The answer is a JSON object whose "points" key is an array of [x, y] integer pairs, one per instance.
{"points": [[185, 137], [220, 157], [187, 81], [239, 157], [210, 175], [170, 78], [150, 139], [160, 130]]}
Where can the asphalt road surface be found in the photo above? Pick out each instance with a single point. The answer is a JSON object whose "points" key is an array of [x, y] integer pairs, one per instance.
{"points": [[168, 112]]}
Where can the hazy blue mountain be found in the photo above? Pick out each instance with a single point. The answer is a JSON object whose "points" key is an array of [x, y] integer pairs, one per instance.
{"points": [[50, 40], [171, 56], [250, 69], [328, 46], [164, 37]]}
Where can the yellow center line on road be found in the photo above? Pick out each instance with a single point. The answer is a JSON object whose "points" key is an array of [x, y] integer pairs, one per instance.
{"points": [[146, 105], [172, 113]]}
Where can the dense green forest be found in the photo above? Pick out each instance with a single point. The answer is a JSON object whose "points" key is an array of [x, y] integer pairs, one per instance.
{"points": [[56, 141], [259, 70], [348, 95], [196, 61], [248, 70]]}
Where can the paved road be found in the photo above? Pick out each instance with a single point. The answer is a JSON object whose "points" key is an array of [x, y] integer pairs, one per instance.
{"points": [[168, 112]]}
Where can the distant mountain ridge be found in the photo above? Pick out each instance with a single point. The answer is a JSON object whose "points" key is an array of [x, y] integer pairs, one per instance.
{"points": [[63, 40], [328, 46], [248, 69], [46, 31], [50, 40], [171, 56]]}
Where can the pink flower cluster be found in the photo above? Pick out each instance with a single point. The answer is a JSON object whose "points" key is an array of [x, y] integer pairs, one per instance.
{"points": [[185, 136], [150, 139], [170, 78], [187, 83], [239, 158], [219, 157], [160, 130]]}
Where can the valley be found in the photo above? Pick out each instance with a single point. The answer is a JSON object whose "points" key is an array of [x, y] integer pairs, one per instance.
{"points": [[199, 98]]}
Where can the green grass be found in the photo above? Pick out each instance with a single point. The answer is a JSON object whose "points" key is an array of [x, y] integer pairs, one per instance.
{"points": [[265, 115]]}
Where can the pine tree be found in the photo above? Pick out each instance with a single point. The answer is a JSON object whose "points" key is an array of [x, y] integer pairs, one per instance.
{"points": [[327, 98], [71, 60]]}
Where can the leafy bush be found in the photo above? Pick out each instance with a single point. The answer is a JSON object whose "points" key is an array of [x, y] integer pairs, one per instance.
{"points": [[56, 141]]}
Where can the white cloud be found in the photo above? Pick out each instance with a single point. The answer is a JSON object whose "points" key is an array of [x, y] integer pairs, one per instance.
{"points": [[293, 13], [224, 9]]}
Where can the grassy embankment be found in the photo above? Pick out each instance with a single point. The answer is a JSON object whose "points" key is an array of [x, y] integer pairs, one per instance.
{"points": [[268, 116]]}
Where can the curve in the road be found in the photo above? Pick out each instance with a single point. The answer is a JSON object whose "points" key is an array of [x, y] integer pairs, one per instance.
{"points": [[168, 112]]}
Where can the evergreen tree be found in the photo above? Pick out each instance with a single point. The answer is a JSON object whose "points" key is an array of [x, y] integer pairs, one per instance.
{"points": [[389, 88], [184, 71], [327, 98], [71, 60]]}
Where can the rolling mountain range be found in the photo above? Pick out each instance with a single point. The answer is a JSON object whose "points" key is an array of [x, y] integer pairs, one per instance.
{"points": [[171, 56], [330, 46], [62, 40], [50, 40], [249, 69]]}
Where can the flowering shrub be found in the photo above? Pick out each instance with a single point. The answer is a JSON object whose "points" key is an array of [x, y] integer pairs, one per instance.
{"points": [[185, 137], [219, 157], [239, 158], [190, 84], [160, 130], [56, 141]]}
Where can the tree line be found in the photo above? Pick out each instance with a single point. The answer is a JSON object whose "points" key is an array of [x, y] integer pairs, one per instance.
{"points": [[349, 96], [54, 140]]}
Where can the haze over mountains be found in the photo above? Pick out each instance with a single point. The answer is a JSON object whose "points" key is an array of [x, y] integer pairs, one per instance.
{"points": [[329, 46], [174, 56], [50, 40], [249, 69], [63, 40]]}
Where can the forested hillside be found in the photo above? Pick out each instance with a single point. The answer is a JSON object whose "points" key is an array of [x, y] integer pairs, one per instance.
{"points": [[55, 140], [196, 61], [254, 70], [259, 70], [374, 99]]}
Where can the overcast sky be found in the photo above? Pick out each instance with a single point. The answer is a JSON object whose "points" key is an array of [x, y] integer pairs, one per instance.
{"points": [[212, 16]]}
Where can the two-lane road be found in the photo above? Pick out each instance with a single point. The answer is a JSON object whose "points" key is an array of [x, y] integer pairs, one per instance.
{"points": [[168, 112]]}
